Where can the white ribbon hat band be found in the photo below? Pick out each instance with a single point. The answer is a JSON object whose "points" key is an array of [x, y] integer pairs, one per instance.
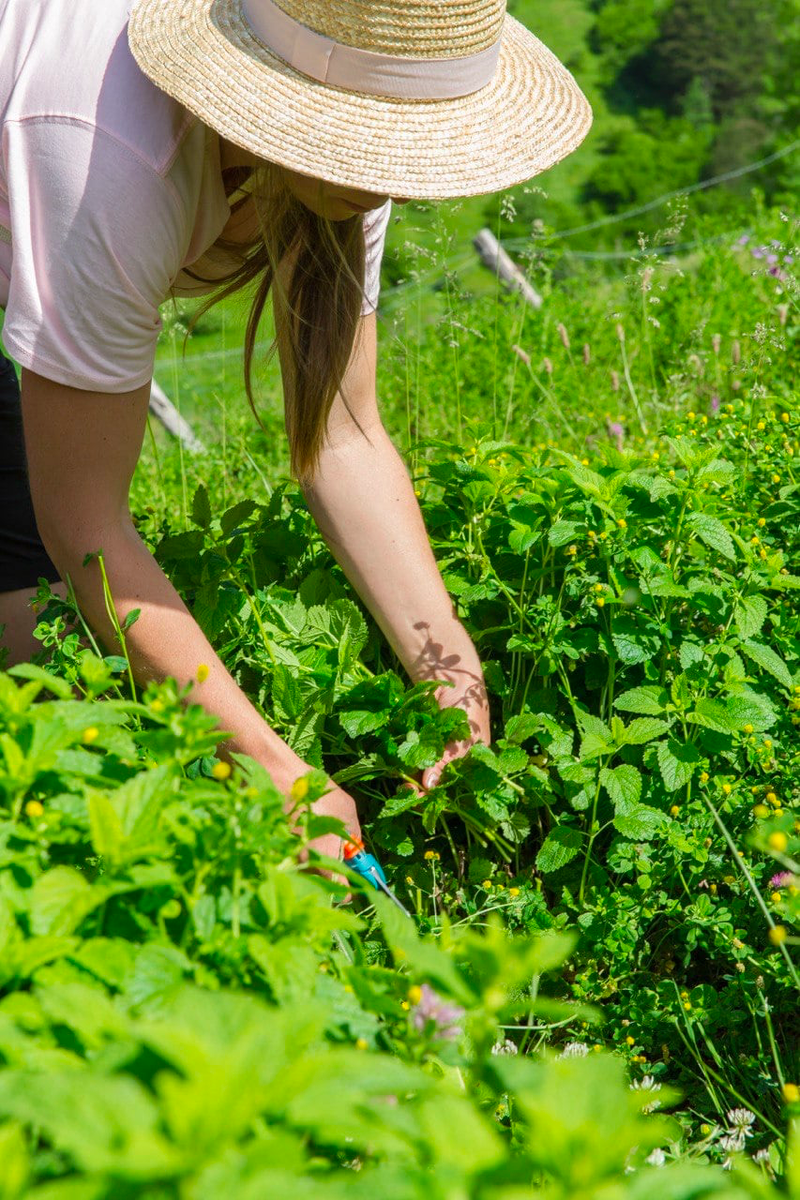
{"points": [[359, 70]]}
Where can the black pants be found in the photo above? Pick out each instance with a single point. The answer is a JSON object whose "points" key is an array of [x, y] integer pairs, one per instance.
{"points": [[23, 558]]}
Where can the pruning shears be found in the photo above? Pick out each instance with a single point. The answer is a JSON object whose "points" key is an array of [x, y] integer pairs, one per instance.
{"points": [[368, 867]]}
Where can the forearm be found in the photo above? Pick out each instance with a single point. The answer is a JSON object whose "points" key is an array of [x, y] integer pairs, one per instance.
{"points": [[165, 640], [364, 504]]}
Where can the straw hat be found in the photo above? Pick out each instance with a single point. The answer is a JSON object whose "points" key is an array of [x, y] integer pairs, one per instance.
{"points": [[426, 99]]}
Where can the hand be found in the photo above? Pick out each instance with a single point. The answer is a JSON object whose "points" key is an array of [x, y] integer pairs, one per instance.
{"points": [[335, 803], [469, 693]]}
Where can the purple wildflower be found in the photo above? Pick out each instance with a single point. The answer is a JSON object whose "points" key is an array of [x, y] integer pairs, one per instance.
{"points": [[744, 239], [617, 430], [775, 243], [772, 258], [788, 260], [446, 1018], [758, 251], [715, 403], [782, 879], [777, 273]]}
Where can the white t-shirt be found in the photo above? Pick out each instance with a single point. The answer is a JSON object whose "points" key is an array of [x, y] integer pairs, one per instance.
{"points": [[109, 189]]}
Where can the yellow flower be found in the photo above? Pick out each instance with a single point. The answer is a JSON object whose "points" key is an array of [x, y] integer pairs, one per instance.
{"points": [[762, 553], [772, 798], [404, 1004], [761, 522], [429, 854], [513, 891], [776, 478], [603, 536], [785, 418], [776, 897], [362, 1044], [767, 743], [675, 810], [299, 790], [671, 473], [704, 776], [761, 811], [726, 787], [572, 550], [597, 1048], [599, 587], [585, 462], [623, 524], [414, 994], [778, 935], [791, 1093], [754, 540], [690, 416], [777, 840], [600, 602], [761, 427], [157, 705], [409, 879], [687, 1006], [34, 808], [712, 887], [251, 793], [630, 1040], [705, 1130], [487, 884], [202, 673], [748, 728], [221, 770], [90, 735], [684, 995], [591, 535]]}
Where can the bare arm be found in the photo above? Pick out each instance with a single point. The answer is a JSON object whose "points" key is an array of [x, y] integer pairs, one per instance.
{"points": [[82, 449], [364, 504]]}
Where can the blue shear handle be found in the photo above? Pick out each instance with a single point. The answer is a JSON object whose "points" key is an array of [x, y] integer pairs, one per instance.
{"points": [[368, 867]]}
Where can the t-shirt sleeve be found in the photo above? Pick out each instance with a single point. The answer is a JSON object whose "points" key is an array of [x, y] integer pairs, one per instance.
{"points": [[376, 222], [97, 237]]}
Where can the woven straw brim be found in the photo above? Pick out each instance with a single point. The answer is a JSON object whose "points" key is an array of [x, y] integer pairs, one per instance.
{"points": [[529, 117]]}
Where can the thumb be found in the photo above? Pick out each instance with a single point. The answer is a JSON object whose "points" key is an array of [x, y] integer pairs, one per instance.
{"points": [[430, 778]]}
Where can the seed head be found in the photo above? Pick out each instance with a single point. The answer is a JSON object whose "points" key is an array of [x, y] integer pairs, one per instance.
{"points": [[562, 333]]}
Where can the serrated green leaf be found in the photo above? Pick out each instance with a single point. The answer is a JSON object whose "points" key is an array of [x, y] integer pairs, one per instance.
{"points": [[201, 507], [623, 784], [713, 714], [750, 614], [766, 657], [639, 821], [644, 729], [650, 701], [676, 761], [559, 847], [711, 531]]}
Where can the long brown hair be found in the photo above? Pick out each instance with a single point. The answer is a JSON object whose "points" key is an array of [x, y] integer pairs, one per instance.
{"points": [[324, 263]]}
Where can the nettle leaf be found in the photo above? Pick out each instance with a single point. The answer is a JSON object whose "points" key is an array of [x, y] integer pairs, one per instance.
{"points": [[713, 714], [650, 700], [719, 470], [748, 708], [520, 728], [644, 729], [623, 784], [562, 532], [676, 761], [690, 653], [201, 508], [423, 749], [597, 738], [522, 537], [750, 614], [639, 821], [236, 515], [711, 531], [765, 657], [558, 848], [633, 644]]}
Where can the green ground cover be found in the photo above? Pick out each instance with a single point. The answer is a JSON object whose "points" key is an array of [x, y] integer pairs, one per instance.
{"points": [[598, 993]]}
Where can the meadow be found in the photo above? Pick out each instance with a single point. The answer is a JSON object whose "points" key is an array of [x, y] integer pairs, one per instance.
{"points": [[597, 995]]}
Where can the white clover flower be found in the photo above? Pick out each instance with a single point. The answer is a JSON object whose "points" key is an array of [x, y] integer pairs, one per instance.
{"points": [[740, 1120], [647, 1084], [574, 1050], [505, 1046], [657, 1158], [732, 1140]]}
